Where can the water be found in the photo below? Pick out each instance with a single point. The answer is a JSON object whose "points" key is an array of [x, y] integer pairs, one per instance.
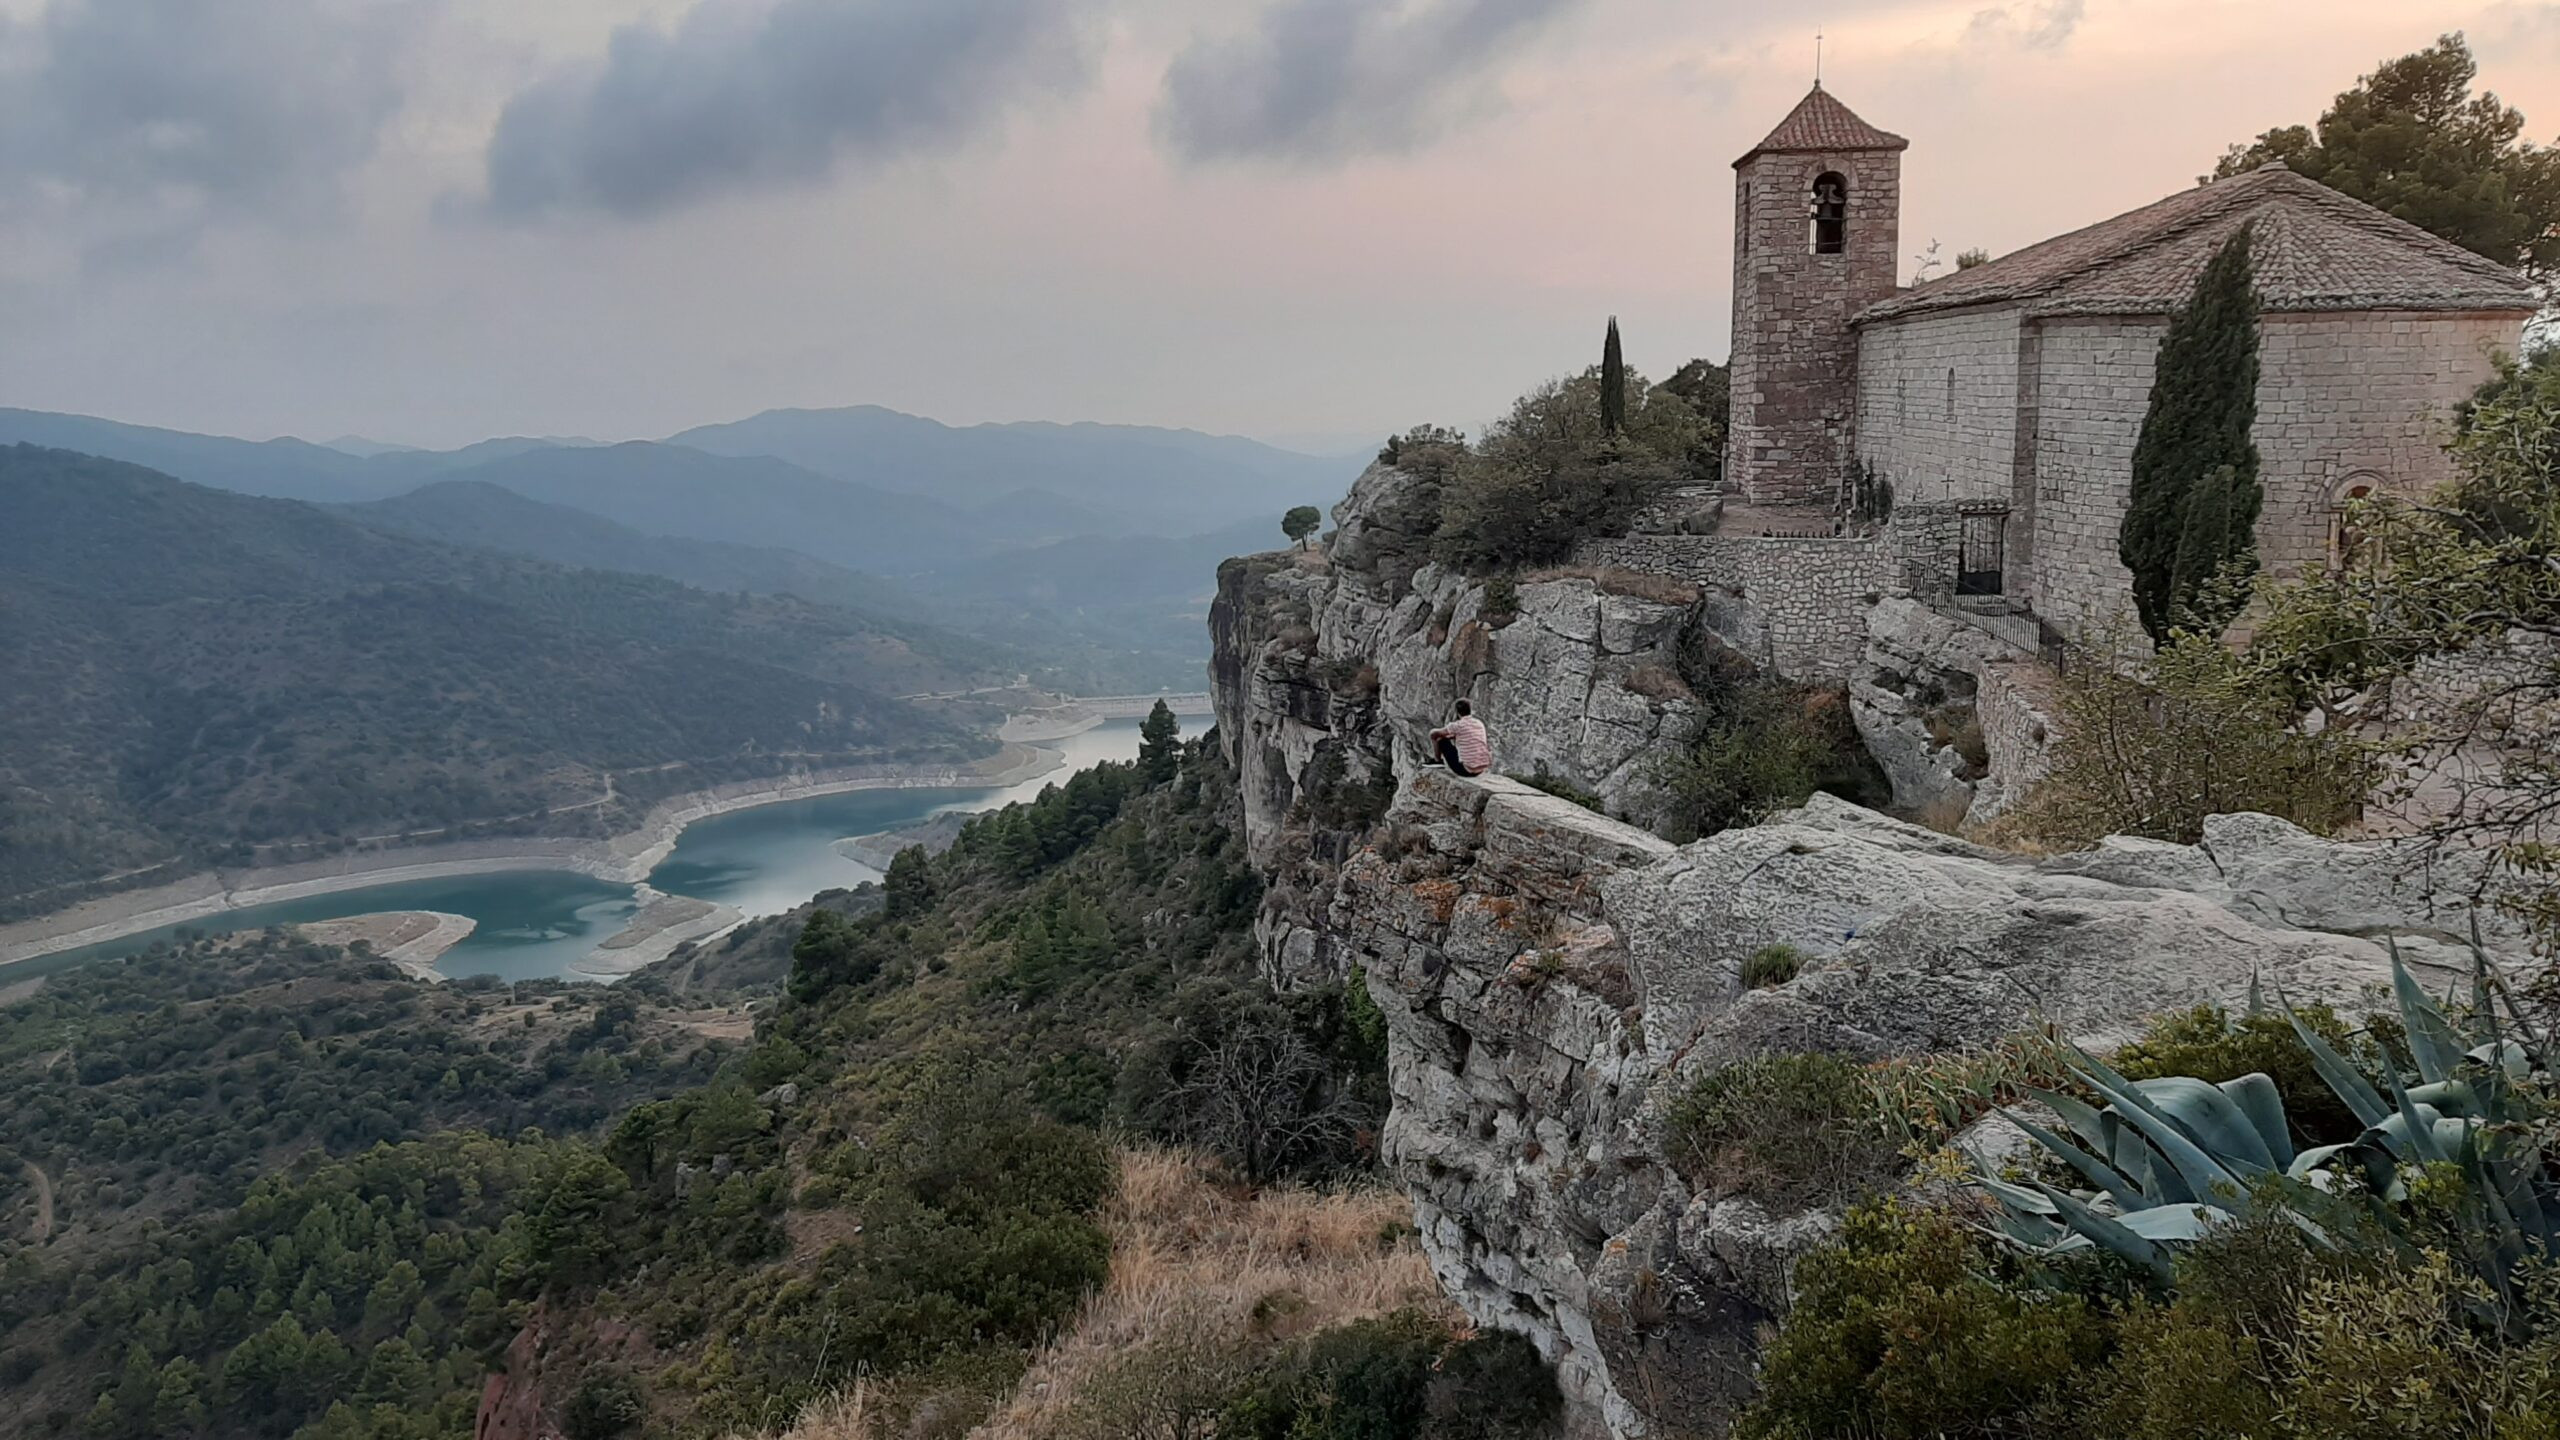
{"points": [[535, 923]]}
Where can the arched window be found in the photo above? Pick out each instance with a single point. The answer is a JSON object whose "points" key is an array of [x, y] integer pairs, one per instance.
{"points": [[1830, 213], [2347, 542]]}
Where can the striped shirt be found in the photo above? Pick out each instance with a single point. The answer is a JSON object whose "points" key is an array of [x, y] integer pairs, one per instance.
{"points": [[1467, 733]]}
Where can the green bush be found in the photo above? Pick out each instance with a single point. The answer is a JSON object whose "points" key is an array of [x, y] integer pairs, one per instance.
{"points": [[1771, 965], [1901, 1331], [2213, 1045], [2152, 745], [1368, 1380], [605, 1406], [1790, 1130], [1762, 745], [1493, 1386], [1550, 474]]}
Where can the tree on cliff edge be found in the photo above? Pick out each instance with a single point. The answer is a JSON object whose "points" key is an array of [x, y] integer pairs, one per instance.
{"points": [[2188, 531], [1613, 382], [1159, 744]]}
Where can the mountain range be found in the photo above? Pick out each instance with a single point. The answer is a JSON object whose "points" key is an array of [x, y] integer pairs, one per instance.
{"points": [[1090, 549]]}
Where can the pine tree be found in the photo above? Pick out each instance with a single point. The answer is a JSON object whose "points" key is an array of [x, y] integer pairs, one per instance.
{"points": [[1159, 744], [1613, 382], [2195, 438], [909, 883]]}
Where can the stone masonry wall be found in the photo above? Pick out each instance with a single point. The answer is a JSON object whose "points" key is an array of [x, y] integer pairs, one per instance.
{"points": [[1797, 606], [1938, 405], [1794, 356], [2343, 400], [2364, 399], [2095, 384]]}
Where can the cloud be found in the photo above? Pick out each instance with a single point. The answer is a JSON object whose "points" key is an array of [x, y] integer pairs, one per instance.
{"points": [[2046, 26], [756, 95], [1323, 80], [185, 107]]}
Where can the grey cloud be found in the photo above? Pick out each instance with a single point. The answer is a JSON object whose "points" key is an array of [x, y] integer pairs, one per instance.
{"points": [[192, 104], [1318, 80], [741, 96]]}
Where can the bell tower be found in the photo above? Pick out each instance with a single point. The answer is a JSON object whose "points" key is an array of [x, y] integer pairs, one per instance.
{"points": [[1817, 219]]}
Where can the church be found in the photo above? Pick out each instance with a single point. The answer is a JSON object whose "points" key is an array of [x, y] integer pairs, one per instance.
{"points": [[2011, 392]]}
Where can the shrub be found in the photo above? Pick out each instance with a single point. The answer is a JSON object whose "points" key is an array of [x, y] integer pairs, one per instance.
{"points": [[1762, 745], [1550, 474], [1902, 1330], [2214, 1046], [1493, 1386], [2152, 746], [1958, 727], [605, 1406], [1771, 965], [1368, 1380], [1790, 1130]]}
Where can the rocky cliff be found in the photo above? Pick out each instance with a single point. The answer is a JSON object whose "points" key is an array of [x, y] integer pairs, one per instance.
{"points": [[1554, 979], [1331, 668]]}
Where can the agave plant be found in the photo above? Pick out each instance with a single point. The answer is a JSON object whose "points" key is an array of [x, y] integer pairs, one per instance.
{"points": [[2166, 1160]]}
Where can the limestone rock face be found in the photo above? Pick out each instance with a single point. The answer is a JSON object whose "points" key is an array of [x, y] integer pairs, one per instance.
{"points": [[1928, 676], [1332, 669], [1553, 980]]}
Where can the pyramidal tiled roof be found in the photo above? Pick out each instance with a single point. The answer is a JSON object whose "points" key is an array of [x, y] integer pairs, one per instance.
{"points": [[1820, 122], [2313, 249]]}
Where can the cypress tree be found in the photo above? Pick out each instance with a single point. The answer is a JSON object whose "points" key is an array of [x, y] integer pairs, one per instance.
{"points": [[2217, 552], [2194, 508], [1613, 382]]}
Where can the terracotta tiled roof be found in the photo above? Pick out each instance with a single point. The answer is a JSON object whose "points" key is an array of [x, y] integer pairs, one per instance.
{"points": [[2314, 249], [1819, 123]]}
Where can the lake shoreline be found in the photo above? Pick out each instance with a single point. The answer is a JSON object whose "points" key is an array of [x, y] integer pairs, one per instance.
{"points": [[624, 859]]}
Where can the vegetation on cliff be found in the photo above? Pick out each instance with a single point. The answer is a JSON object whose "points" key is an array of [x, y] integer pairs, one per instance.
{"points": [[2225, 1255], [901, 1184]]}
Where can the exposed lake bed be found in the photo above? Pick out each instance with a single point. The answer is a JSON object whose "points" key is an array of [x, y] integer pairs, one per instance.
{"points": [[595, 914]]}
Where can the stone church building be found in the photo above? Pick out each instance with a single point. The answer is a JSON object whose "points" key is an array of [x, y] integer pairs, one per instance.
{"points": [[2011, 393]]}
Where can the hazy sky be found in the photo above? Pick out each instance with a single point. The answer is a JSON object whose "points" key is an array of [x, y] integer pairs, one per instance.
{"points": [[433, 220]]}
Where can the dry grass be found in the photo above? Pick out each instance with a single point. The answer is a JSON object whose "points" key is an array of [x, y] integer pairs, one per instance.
{"points": [[849, 1416], [1189, 1252], [1196, 1266]]}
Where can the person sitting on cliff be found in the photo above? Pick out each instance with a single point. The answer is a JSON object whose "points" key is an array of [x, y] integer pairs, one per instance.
{"points": [[1461, 744]]}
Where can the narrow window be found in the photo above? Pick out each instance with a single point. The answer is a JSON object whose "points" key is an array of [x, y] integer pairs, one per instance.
{"points": [[1951, 394], [1830, 214], [1744, 238]]}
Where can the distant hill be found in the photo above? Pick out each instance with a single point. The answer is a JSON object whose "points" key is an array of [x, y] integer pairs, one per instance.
{"points": [[1090, 615], [484, 515], [1165, 481], [286, 469], [186, 673], [988, 486], [744, 500]]}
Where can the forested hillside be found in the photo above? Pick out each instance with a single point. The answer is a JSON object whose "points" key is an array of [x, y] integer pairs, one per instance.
{"points": [[903, 1179], [187, 675], [250, 1173]]}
